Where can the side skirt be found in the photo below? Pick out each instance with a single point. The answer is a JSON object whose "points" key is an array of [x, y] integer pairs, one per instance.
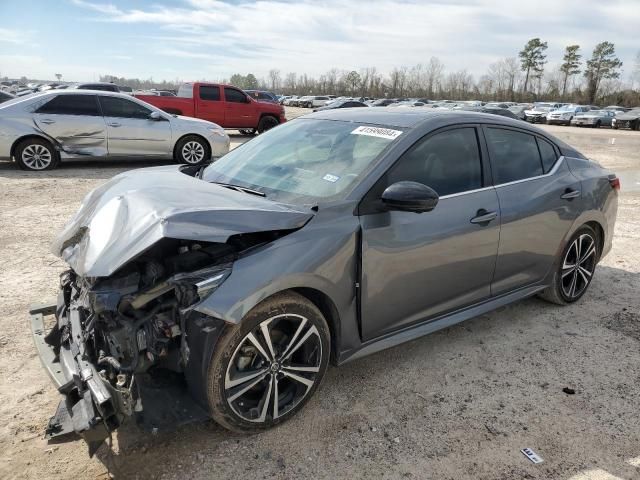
{"points": [[413, 332]]}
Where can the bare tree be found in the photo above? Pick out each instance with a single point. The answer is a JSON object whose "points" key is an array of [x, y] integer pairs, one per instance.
{"points": [[274, 79], [433, 76], [58, 76]]}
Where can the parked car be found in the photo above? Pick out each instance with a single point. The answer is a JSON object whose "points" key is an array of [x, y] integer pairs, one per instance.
{"points": [[564, 114], [104, 86], [313, 101], [383, 102], [224, 105], [41, 130], [630, 119], [518, 111], [291, 101], [538, 114], [341, 104], [248, 277], [5, 96], [263, 96], [617, 108], [594, 118]]}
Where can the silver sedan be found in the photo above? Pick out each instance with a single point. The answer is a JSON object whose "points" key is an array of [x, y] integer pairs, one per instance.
{"points": [[593, 118], [40, 130]]}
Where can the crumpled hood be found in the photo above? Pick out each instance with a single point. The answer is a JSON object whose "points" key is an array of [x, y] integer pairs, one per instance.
{"points": [[131, 212]]}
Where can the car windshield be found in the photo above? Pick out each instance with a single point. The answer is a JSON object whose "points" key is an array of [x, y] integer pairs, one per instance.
{"points": [[304, 160]]}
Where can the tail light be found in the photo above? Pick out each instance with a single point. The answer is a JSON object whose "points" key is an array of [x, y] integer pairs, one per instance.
{"points": [[614, 182]]}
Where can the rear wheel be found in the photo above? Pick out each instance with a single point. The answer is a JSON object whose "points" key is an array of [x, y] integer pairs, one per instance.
{"points": [[247, 131], [36, 154], [576, 268], [265, 369], [267, 123], [192, 150]]}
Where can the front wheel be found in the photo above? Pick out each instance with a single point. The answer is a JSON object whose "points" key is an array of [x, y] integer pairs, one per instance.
{"points": [[597, 125], [192, 150], [576, 268], [265, 369]]}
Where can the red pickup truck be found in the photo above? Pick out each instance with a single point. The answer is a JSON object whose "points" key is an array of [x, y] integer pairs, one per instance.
{"points": [[225, 105]]}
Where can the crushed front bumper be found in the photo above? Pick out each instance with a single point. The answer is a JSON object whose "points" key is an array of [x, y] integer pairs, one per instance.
{"points": [[91, 408]]}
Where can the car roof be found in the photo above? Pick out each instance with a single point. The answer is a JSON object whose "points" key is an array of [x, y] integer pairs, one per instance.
{"points": [[413, 117]]}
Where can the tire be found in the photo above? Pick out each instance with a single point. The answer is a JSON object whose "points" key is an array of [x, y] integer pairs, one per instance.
{"points": [[597, 125], [192, 150], [615, 127], [569, 282], [267, 123], [247, 131], [300, 337], [36, 154]]}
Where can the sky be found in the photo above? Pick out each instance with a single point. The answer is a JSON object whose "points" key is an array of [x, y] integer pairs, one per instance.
{"points": [[212, 39]]}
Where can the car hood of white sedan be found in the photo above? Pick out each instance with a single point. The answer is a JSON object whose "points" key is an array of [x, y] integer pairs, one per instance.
{"points": [[131, 212]]}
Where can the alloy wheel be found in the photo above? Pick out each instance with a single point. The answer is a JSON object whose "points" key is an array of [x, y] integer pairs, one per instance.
{"points": [[578, 266], [273, 368], [36, 156], [193, 152]]}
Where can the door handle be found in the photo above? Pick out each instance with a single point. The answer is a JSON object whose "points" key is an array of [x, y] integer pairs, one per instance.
{"points": [[482, 216], [570, 194], [48, 121], [114, 124]]}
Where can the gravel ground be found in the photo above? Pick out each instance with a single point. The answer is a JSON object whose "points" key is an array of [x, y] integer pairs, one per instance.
{"points": [[459, 404]]}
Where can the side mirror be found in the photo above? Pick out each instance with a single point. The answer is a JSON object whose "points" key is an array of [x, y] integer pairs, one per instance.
{"points": [[248, 99], [155, 116], [410, 197]]}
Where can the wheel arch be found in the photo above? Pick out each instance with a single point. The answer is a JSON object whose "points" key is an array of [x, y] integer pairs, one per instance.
{"points": [[330, 312], [600, 234], [17, 142]]}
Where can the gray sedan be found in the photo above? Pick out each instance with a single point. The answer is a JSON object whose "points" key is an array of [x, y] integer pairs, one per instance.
{"points": [[331, 237], [593, 118], [40, 130]]}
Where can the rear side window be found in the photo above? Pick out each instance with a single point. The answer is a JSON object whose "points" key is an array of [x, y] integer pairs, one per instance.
{"points": [[122, 108], [71, 105], [233, 95], [210, 93], [449, 162], [548, 154], [514, 155]]}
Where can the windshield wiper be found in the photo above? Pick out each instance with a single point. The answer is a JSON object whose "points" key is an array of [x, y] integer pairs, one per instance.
{"points": [[239, 188]]}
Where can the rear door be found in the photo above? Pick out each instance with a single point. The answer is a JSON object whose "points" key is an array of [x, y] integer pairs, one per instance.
{"points": [[209, 104], [131, 131], [240, 110], [75, 122], [418, 266], [539, 201]]}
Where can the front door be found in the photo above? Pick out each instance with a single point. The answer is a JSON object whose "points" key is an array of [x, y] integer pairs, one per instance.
{"points": [[210, 106], [240, 109], [132, 132], [75, 122], [420, 266]]}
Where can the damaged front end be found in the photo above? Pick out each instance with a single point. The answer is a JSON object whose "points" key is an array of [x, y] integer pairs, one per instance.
{"points": [[112, 336]]}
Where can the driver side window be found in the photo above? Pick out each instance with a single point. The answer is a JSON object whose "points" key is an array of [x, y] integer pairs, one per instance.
{"points": [[448, 162]]}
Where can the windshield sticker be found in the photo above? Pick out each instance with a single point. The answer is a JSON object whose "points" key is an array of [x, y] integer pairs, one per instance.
{"points": [[377, 132], [331, 178]]}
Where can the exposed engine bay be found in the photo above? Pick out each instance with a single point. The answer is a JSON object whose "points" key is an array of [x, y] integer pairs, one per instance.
{"points": [[111, 332]]}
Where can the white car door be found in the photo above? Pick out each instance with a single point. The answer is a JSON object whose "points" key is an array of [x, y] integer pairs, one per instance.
{"points": [[132, 132], [75, 123]]}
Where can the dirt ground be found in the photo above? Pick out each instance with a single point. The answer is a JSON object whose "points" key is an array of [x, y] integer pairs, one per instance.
{"points": [[458, 404]]}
